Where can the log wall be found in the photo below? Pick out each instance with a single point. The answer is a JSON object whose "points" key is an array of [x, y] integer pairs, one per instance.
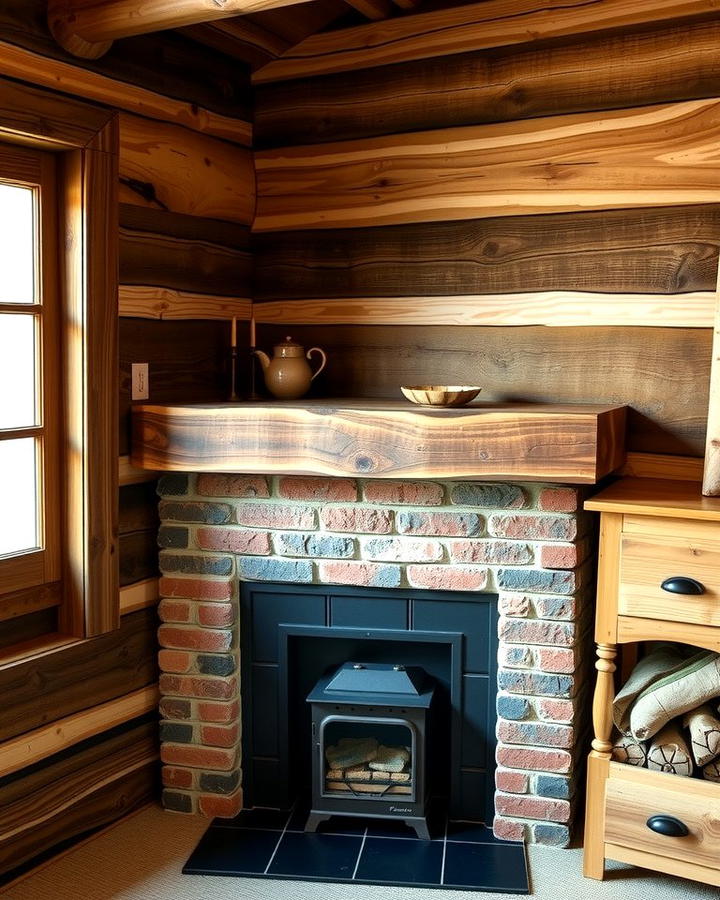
{"points": [[413, 179], [78, 744]]}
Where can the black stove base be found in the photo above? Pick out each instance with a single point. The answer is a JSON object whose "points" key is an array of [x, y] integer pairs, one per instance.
{"points": [[264, 843]]}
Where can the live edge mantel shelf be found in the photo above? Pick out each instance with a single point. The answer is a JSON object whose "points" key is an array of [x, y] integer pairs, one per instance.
{"points": [[383, 439]]}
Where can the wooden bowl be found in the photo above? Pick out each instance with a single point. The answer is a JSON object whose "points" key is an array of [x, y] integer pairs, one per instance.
{"points": [[441, 394]]}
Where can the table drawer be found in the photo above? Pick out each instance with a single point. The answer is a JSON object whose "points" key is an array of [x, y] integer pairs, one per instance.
{"points": [[648, 560], [635, 795]]}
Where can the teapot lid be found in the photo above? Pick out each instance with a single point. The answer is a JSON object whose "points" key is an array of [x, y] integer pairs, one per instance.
{"points": [[288, 342]]}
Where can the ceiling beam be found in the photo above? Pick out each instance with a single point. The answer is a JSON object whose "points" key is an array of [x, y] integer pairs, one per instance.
{"points": [[87, 28], [372, 9]]}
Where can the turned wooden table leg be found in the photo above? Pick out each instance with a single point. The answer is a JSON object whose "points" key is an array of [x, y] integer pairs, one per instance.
{"points": [[599, 763]]}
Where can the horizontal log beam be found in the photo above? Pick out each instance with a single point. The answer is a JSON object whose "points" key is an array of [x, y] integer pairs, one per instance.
{"points": [[372, 9], [87, 28], [148, 302], [29, 66], [555, 308], [43, 742], [642, 157], [477, 26], [141, 594]]}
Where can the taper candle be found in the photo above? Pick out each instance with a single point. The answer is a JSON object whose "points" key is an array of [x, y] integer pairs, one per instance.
{"points": [[233, 333], [252, 331]]}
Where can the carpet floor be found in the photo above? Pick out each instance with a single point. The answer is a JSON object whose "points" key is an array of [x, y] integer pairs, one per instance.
{"points": [[142, 857]]}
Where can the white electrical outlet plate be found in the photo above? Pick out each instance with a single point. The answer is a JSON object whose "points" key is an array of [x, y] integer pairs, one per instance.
{"points": [[140, 381]]}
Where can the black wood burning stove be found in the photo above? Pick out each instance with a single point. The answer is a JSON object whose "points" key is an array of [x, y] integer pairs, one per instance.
{"points": [[370, 753]]}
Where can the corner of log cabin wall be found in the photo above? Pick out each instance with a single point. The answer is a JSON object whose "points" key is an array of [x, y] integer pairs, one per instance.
{"points": [[384, 225]]}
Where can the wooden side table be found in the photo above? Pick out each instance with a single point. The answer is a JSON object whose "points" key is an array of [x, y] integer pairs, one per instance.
{"points": [[651, 530]]}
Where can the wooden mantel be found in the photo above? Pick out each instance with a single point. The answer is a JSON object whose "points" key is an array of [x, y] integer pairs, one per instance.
{"points": [[383, 439]]}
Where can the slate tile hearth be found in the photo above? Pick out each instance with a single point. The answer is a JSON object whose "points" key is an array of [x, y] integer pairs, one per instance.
{"points": [[267, 843]]}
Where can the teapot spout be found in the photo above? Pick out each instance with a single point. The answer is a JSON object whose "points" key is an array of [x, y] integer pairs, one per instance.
{"points": [[263, 357]]}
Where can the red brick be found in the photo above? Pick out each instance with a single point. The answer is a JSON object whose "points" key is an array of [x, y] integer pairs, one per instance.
{"points": [[494, 552], [188, 637], [172, 708], [558, 499], [196, 588], [278, 515], [549, 710], [397, 549], [357, 519], [511, 781], [507, 830], [221, 807], [246, 486], [220, 736], [534, 759], [365, 574], [216, 614], [175, 611], [404, 493], [528, 807], [552, 659], [321, 490], [218, 712], [448, 578], [209, 687], [564, 556], [534, 528], [234, 540], [215, 758], [176, 661], [172, 776]]}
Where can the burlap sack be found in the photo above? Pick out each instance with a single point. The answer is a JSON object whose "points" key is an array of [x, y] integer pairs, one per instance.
{"points": [[669, 752], [666, 683]]}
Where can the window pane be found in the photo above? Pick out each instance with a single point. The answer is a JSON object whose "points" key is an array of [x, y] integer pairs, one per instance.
{"points": [[18, 490], [17, 371], [17, 244]]}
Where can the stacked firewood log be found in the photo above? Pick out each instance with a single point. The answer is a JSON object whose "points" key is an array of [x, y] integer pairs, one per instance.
{"points": [[364, 766], [667, 714]]}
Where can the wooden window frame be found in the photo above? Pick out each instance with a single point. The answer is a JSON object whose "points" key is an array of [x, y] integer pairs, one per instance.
{"points": [[85, 139]]}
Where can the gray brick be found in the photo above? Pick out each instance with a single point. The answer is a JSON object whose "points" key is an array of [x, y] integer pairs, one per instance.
{"points": [[262, 569], [173, 485], [177, 802], [173, 537], [322, 546], [219, 784], [536, 684], [215, 664], [195, 565], [555, 786], [176, 732], [514, 708], [550, 834], [546, 581], [488, 495], [195, 511]]}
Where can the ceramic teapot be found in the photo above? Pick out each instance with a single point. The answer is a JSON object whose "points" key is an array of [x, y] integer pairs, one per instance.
{"points": [[288, 373]]}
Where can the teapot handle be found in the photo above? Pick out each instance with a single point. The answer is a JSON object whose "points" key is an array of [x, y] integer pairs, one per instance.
{"points": [[322, 364]]}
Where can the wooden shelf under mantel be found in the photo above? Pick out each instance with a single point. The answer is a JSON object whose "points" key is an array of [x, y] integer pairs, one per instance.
{"points": [[382, 439]]}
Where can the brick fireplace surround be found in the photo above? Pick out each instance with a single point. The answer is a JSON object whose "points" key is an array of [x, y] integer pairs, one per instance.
{"points": [[529, 543]]}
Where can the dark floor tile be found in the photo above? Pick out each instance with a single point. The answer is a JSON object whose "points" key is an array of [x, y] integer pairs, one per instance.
{"points": [[232, 851], [256, 818], [400, 862], [490, 867], [472, 832], [397, 828], [334, 825], [316, 856]]}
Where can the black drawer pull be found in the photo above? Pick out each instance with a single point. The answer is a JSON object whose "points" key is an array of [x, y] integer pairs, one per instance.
{"points": [[668, 826], [679, 584]]}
